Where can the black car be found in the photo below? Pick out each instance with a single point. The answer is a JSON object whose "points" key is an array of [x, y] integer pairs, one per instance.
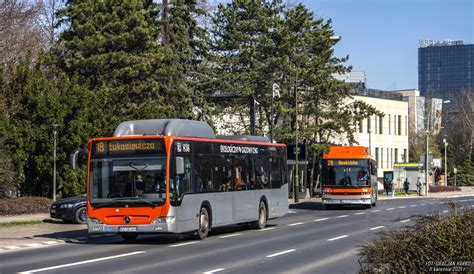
{"points": [[73, 209]]}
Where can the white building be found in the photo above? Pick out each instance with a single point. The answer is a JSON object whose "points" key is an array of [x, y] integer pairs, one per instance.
{"points": [[386, 136]]}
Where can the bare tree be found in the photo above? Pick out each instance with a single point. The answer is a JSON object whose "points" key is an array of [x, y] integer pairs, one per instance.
{"points": [[20, 31]]}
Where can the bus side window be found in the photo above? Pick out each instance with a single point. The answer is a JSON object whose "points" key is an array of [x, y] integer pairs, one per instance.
{"points": [[275, 172], [222, 174], [203, 173], [241, 170], [262, 166]]}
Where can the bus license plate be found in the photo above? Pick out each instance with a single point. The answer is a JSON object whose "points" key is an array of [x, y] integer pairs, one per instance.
{"points": [[127, 229]]}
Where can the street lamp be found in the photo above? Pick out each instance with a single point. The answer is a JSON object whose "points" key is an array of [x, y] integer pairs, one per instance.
{"points": [[275, 94], [445, 163], [55, 133]]}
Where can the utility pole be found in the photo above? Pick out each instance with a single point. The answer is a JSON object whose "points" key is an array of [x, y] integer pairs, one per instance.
{"points": [[445, 163], [55, 133], [297, 181]]}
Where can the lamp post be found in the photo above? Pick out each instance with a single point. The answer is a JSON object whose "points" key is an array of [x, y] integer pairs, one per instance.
{"points": [[370, 141], [275, 94], [55, 134], [445, 163], [297, 181]]}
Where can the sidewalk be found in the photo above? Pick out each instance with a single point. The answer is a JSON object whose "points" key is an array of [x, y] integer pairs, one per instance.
{"points": [[24, 218], [465, 191]]}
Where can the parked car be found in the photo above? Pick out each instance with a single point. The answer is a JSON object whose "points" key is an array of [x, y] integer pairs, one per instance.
{"points": [[72, 209]]}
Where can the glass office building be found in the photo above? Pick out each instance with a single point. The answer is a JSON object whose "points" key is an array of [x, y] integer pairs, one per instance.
{"points": [[445, 68]]}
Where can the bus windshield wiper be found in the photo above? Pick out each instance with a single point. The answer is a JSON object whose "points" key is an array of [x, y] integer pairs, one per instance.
{"points": [[134, 199]]}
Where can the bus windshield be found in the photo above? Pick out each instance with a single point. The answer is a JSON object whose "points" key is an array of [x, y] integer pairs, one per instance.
{"points": [[131, 181], [345, 175]]}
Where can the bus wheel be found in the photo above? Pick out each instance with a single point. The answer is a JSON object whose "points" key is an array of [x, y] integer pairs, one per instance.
{"points": [[203, 223], [129, 237], [262, 217]]}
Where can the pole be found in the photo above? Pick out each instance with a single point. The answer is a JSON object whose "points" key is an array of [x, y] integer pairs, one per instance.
{"points": [[55, 133], [296, 142], [271, 117], [370, 141], [445, 164], [252, 122]]}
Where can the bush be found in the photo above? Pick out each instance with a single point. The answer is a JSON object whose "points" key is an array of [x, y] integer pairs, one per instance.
{"points": [[463, 179], [24, 205], [444, 188], [434, 239]]}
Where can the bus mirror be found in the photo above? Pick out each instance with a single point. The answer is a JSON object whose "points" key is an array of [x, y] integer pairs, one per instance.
{"points": [[179, 165], [73, 158]]}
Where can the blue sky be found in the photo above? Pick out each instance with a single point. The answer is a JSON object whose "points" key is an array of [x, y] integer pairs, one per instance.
{"points": [[381, 36]]}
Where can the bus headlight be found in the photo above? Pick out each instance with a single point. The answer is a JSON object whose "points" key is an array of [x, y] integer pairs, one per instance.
{"points": [[326, 191], [165, 220]]}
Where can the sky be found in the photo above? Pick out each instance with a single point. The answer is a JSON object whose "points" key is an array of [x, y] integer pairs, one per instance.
{"points": [[381, 36]]}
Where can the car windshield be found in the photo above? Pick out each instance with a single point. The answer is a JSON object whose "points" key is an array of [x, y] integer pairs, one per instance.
{"points": [[139, 181]]}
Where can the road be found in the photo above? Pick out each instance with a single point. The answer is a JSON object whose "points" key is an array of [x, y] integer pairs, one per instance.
{"points": [[308, 239]]}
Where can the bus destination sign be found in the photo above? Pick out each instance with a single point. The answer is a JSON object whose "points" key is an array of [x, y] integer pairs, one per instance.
{"points": [[349, 162], [127, 147]]}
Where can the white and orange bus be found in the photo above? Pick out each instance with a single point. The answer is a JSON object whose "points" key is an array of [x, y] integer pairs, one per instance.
{"points": [[348, 177], [176, 176]]}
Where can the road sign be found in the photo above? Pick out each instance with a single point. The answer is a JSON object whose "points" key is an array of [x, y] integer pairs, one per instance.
{"points": [[455, 170]]}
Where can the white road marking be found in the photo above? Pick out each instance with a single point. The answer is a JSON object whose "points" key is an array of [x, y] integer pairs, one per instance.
{"points": [[228, 236], [342, 216], [402, 206], [377, 210], [445, 211], [337, 238], [280, 253], [392, 208], [33, 245], [377, 227], [12, 247], [266, 229], [321, 219], [187, 243], [213, 271], [463, 200], [422, 204], [412, 205], [50, 242], [295, 224], [291, 211], [83, 262], [359, 213], [404, 221]]}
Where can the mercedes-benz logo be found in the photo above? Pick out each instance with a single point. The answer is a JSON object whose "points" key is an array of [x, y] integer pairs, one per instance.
{"points": [[126, 219]]}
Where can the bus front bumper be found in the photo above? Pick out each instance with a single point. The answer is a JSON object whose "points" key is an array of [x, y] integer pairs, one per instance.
{"points": [[95, 228], [353, 200]]}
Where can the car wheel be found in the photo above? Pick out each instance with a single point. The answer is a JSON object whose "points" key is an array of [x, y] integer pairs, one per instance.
{"points": [[262, 217], [81, 215], [203, 229]]}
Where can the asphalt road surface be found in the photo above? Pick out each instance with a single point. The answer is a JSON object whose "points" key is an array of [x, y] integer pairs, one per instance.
{"points": [[308, 239]]}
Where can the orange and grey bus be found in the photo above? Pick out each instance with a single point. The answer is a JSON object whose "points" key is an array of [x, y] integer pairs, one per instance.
{"points": [[176, 176], [349, 177]]}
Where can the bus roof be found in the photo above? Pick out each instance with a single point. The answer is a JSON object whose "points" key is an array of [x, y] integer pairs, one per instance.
{"points": [[347, 152], [178, 128]]}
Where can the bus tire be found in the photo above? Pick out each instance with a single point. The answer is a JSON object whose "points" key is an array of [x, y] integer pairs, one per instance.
{"points": [[204, 222], [262, 217], [129, 237]]}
